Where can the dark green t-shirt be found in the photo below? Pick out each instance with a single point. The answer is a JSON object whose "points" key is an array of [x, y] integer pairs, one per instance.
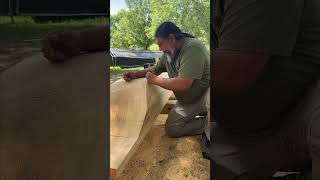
{"points": [[191, 60], [289, 30], [270, 26]]}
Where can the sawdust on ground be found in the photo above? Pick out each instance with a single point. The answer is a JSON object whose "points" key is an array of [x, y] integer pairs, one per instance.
{"points": [[162, 158]]}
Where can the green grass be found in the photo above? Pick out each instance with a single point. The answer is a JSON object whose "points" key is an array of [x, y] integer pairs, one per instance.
{"points": [[24, 28], [116, 69]]}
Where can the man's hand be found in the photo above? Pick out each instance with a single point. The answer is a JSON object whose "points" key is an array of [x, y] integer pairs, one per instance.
{"points": [[151, 78], [128, 76], [58, 46]]}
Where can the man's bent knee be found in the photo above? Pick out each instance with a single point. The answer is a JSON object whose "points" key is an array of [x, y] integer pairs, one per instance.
{"points": [[173, 130]]}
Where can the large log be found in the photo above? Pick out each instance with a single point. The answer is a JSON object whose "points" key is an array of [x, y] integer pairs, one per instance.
{"points": [[133, 108], [54, 119]]}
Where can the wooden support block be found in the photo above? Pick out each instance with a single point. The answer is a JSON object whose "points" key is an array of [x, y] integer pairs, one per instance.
{"points": [[169, 105], [172, 97], [134, 106]]}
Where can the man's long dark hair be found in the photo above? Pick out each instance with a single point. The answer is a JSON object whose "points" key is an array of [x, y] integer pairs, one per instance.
{"points": [[167, 28]]}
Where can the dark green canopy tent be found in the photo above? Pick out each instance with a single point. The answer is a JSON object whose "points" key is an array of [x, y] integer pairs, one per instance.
{"points": [[54, 7], [129, 58]]}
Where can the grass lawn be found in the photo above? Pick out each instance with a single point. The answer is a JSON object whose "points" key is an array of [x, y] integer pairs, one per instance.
{"points": [[24, 28], [117, 69]]}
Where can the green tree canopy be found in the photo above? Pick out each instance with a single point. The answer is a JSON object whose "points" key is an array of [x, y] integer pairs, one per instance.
{"points": [[134, 28]]}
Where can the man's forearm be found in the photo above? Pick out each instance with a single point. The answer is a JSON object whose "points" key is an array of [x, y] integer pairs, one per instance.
{"points": [[95, 39], [234, 72], [174, 84]]}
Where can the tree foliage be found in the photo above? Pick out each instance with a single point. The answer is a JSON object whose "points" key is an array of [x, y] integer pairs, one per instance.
{"points": [[134, 28]]}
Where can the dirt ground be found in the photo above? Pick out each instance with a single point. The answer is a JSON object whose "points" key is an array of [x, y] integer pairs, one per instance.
{"points": [[162, 158], [158, 157]]}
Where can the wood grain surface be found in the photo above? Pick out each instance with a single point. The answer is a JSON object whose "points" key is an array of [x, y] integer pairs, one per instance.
{"points": [[134, 106]]}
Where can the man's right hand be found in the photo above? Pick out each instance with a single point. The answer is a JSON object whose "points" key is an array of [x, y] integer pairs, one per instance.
{"points": [[128, 76], [58, 46]]}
